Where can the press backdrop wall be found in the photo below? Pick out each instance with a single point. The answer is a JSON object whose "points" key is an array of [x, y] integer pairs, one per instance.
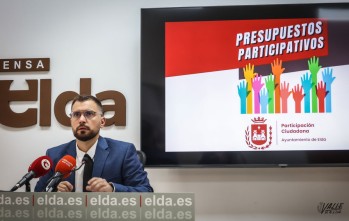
{"points": [[100, 39]]}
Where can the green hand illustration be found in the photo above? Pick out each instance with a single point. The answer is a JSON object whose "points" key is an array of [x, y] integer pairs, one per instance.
{"points": [[314, 67]]}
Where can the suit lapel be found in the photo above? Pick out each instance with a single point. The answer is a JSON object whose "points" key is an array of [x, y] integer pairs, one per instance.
{"points": [[101, 155], [71, 150]]}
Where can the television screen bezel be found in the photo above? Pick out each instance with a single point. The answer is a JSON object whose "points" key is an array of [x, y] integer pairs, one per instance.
{"points": [[153, 90]]}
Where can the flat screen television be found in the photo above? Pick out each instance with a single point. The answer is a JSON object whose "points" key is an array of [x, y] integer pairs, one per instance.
{"points": [[245, 86]]}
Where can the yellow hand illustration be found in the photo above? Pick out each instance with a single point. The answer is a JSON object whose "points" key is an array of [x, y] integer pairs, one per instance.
{"points": [[249, 75]]}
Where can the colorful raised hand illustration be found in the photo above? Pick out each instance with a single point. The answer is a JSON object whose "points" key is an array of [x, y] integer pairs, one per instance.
{"points": [[277, 70], [257, 86], [269, 83], [249, 75], [264, 100], [328, 79], [321, 94], [314, 67], [272, 98], [307, 85], [243, 92], [284, 94], [297, 97]]}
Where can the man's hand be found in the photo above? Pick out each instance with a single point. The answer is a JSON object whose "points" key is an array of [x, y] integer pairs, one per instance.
{"points": [[97, 184], [65, 186]]}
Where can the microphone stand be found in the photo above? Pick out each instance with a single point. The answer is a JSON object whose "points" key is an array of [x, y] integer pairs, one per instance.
{"points": [[27, 186]]}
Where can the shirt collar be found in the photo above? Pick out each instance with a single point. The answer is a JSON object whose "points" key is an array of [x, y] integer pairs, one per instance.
{"points": [[91, 152]]}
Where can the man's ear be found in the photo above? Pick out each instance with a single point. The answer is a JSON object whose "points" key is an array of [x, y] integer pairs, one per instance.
{"points": [[103, 120]]}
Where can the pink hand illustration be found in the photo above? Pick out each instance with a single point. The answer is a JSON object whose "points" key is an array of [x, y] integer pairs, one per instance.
{"points": [[321, 94], [257, 83], [257, 86], [297, 97], [269, 83], [284, 94]]}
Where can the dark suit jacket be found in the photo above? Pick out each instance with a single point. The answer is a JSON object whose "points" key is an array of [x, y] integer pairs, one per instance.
{"points": [[116, 161]]}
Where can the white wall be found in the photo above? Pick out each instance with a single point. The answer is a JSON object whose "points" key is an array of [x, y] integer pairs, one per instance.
{"points": [[100, 39]]}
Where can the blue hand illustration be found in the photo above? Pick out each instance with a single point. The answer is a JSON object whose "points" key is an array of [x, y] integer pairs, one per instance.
{"points": [[307, 85], [264, 100], [243, 93], [328, 79]]}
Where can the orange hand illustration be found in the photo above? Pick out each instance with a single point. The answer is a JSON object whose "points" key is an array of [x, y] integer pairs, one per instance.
{"points": [[277, 70]]}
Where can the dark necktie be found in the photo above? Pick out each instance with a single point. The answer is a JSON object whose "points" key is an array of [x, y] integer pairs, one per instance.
{"points": [[87, 171]]}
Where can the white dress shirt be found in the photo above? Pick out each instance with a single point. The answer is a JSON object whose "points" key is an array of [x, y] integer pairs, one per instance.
{"points": [[80, 173]]}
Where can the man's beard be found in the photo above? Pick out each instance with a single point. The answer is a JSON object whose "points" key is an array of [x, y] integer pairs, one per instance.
{"points": [[85, 135]]}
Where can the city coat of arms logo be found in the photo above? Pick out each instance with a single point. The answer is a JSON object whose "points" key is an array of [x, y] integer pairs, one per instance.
{"points": [[259, 135]]}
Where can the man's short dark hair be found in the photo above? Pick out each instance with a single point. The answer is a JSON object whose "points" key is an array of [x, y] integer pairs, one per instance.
{"points": [[82, 98]]}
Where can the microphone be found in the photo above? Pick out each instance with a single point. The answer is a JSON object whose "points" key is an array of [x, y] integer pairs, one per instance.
{"points": [[63, 170], [38, 168]]}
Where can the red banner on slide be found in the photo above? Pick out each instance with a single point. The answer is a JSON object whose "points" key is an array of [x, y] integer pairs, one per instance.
{"points": [[205, 46]]}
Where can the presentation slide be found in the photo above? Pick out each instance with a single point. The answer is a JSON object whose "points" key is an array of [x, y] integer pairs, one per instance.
{"points": [[256, 85]]}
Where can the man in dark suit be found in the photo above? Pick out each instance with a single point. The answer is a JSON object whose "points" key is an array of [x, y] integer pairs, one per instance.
{"points": [[116, 167]]}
